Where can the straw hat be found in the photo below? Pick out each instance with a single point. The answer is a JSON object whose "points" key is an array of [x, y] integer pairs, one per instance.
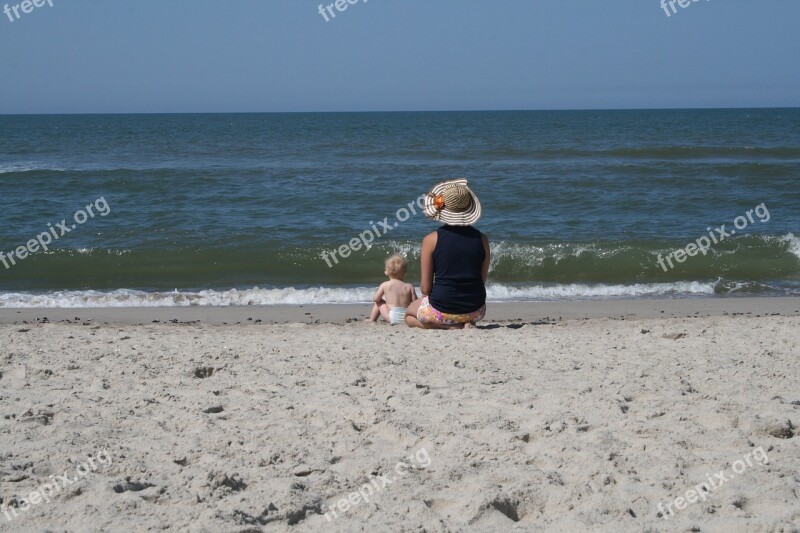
{"points": [[453, 203]]}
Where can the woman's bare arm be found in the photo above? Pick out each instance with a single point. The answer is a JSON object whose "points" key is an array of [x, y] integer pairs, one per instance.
{"points": [[426, 263], [487, 260]]}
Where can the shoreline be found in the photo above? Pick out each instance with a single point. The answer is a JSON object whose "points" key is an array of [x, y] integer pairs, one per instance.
{"points": [[543, 311]]}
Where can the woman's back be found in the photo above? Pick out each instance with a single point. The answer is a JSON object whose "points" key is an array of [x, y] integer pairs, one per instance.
{"points": [[457, 264]]}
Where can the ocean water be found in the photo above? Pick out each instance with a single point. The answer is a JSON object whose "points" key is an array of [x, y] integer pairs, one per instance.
{"points": [[239, 209]]}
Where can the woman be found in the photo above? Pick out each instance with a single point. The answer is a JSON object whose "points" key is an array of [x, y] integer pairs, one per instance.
{"points": [[454, 261]]}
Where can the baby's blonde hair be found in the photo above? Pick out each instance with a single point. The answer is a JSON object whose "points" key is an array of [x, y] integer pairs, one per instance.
{"points": [[396, 264]]}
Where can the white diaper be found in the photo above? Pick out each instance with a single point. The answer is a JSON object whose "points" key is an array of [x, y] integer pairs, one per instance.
{"points": [[397, 315]]}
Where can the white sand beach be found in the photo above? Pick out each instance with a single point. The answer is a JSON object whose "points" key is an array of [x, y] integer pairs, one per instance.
{"points": [[546, 422]]}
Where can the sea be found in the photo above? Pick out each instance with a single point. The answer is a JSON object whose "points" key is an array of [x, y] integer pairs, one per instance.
{"points": [[248, 209]]}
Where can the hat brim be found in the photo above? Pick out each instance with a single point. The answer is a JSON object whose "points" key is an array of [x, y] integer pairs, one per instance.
{"points": [[453, 218]]}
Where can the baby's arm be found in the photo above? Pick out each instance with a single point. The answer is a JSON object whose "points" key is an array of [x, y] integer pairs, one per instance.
{"points": [[377, 309], [379, 294], [413, 292]]}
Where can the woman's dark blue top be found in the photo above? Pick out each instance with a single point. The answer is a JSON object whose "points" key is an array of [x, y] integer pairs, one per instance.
{"points": [[457, 264]]}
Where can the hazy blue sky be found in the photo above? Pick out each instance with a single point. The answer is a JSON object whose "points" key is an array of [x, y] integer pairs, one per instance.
{"points": [[280, 55]]}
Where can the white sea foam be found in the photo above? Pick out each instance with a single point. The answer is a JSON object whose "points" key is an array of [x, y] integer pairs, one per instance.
{"points": [[7, 169], [233, 297], [331, 295], [794, 244], [578, 291]]}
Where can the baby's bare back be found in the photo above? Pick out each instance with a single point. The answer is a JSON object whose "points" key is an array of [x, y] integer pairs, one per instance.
{"points": [[398, 293]]}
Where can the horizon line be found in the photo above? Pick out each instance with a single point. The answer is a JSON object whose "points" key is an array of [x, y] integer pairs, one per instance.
{"points": [[404, 111]]}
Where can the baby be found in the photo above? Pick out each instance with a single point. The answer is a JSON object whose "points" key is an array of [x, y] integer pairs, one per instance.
{"points": [[393, 296]]}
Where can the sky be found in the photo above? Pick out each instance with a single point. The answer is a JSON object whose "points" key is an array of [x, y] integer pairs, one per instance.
{"points": [[160, 56]]}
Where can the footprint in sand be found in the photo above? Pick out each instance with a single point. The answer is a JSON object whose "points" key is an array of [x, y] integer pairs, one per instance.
{"points": [[204, 372]]}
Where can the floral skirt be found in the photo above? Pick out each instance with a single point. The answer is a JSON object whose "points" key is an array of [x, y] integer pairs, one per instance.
{"points": [[427, 314]]}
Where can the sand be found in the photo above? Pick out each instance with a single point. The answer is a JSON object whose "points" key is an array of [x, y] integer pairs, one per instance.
{"points": [[558, 417]]}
